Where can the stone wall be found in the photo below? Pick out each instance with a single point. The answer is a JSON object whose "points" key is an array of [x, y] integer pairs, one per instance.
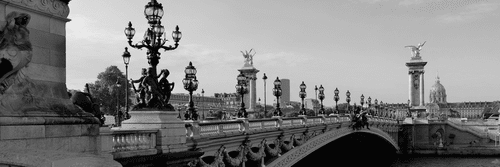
{"points": [[39, 125], [39, 87]]}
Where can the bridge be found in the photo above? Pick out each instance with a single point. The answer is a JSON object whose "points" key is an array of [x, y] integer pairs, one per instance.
{"points": [[256, 142]]}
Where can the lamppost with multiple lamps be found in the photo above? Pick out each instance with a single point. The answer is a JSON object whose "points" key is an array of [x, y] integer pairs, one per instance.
{"points": [[126, 59], [277, 92], [348, 99], [242, 88], [302, 95], [336, 98], [190, 84], [321, 96], [376, 108], [265, 78], [154, 38]]}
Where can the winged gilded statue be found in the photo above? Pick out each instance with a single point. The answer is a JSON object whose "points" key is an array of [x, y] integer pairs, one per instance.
{"points": [[416, 49], [248, 56]]}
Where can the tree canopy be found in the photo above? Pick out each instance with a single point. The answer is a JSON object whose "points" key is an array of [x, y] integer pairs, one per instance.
{"points": [[106, 91]]}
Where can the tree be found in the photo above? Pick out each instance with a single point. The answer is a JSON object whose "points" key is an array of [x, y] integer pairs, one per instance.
{"points": [[106, 92]]}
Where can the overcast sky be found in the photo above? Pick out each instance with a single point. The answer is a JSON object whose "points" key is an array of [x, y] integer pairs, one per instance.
{"points": [[355, 45]]}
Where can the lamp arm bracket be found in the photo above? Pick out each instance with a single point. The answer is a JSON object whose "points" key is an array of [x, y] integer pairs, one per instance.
{"points": [[169, 47], [137, 46]]}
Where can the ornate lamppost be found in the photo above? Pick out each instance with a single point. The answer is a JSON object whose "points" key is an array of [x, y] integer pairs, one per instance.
{"points": [[315, 96], [376, 108], [126, 59], [348, 99], [265, 78], [362, 101], [242, 88], [202, 103], [382, 112], [321, 96], [154, 37], [302, 95], [190, 84], [118, 113], [336, 98], [369, 104], [277, 92]]}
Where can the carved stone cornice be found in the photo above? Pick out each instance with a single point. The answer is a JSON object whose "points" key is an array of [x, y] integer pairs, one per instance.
{"points": [[57, 8]]}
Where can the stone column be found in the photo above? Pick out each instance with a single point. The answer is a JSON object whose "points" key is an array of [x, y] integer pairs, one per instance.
{"points": [[252, 92], [422, 103], [410, 87], [251, 96]]}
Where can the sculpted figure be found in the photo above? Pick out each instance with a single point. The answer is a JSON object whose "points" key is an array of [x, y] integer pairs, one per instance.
{"points": [[140, 92], [153, 96], [165, 86], [15, 48], [87, 104], [416, 49], [248, 56]]}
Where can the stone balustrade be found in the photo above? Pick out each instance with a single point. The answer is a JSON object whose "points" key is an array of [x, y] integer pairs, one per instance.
{"points": [[130, 140], [131, 143], [240, 126]]}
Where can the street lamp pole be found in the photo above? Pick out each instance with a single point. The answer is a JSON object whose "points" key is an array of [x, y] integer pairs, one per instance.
{"points": [[336, 98], [369, 104], [154, 39], [264, 78], [302, 95], [202, 103], [126, 59], [376, 108], [118, 113], [362, 101], [277, 92], [316, 97], [321, 96], [348, 99], [241, 88], [190, 84]]}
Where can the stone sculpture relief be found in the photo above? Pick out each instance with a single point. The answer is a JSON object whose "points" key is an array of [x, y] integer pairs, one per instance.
{"points": [[15, 54]]}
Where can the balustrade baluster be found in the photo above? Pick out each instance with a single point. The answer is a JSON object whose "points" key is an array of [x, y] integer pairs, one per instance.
{"points": [[134, 142], [119, 143], [115, 144], [145, 141]]}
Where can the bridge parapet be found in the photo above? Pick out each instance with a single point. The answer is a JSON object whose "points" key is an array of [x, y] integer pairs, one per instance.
{"points": [[215, 128], [130, 143], [279, 135]]}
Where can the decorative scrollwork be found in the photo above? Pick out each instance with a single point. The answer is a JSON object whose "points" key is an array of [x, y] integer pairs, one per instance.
{"points": [[54, 7], [287, 145], [217, 160], [273, 149], [235, 161], [256, 155]]}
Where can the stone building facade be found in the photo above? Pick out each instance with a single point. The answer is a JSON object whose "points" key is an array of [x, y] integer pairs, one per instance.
{"points": [[438, 104]]}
